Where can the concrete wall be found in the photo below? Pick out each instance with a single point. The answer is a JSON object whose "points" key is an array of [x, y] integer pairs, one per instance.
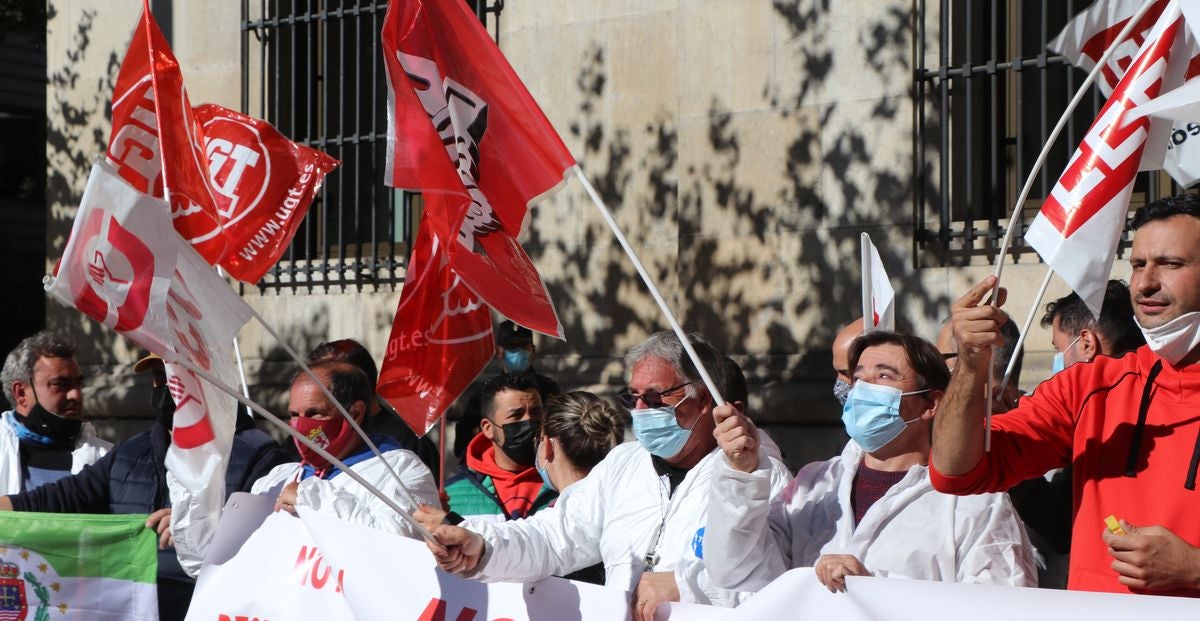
{"points": [[742, 144]]}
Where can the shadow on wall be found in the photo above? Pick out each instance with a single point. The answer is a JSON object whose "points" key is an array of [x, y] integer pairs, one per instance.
{"points": [[768, 272]]}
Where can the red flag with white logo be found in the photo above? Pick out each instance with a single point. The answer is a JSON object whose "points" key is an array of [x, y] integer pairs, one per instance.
{"points": [[125, 267], [1090, 33], [157, 145], [263, 184], [1078, 227], [441, 336], [461, 123]]}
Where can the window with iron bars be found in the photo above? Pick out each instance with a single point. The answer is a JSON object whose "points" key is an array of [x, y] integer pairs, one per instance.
{"points": [[988, 93], [314, 69]]}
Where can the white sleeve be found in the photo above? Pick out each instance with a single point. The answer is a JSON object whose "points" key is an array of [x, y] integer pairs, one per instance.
{"points": [[994, 548], [747, 540], [194, 519], [354, 503], [555, 541]]}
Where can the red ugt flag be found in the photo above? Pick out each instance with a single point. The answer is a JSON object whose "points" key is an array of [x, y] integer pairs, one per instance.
{"points": [[263, 184], [1077, 230], [156, 141], [460, 123], [441, 336]]}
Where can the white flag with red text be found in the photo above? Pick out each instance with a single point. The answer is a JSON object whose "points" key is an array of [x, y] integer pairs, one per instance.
{"points": [[1088, 35], [877, 291], [125, 266], [1078, 227]]}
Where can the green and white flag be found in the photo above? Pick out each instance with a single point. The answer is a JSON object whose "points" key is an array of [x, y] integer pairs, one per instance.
{"points": [[63, 567]]}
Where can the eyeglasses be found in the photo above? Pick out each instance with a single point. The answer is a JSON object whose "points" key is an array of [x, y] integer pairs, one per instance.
{"points": [[652, 398]]}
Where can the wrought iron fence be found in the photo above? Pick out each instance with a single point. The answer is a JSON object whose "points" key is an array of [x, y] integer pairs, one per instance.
{"points": [[314, 69], [988, 93]]}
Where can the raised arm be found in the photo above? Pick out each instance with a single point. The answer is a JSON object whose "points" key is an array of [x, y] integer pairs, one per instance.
{"points": [[959, 425]]}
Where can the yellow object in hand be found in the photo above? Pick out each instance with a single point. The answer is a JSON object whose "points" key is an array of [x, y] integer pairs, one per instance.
{"points": [[1114, 526]]}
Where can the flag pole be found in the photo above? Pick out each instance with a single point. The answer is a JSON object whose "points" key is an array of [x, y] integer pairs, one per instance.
{"points": [[662, 304], [328, 395], [864, 271], [1037, 301], [237, 352], [299, 437], [1037, 166]]}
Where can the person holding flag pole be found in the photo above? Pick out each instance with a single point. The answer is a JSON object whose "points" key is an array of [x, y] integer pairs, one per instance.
{"points": [[1126, 424]]}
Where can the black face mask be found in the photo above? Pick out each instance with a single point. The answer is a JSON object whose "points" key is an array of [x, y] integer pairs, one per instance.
{"points": [[62, 431], [518, 441], [163, 404]]}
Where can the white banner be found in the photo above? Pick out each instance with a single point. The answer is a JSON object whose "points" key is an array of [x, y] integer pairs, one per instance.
{"points": [[798, 595], [320, 567]]}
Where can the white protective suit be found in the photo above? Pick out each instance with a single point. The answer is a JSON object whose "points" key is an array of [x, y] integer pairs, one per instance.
{"points": [[88, 450], [193, 528], [615, 515], [913, 531]]}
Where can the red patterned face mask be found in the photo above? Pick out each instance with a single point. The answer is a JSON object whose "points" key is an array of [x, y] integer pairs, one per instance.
{"points": [[333, 435]]}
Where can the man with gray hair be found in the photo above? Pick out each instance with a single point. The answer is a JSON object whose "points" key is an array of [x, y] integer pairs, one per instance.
{"points": [[44, 437], [641, 511]]}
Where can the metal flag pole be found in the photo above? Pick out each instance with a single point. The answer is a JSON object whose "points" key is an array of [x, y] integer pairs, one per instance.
{"points": [[328, 395], [1037, 166], [1037, 301], [662, 304], [299, 437]]}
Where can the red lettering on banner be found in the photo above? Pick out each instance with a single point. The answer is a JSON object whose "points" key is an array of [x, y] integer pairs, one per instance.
{"points": [[224, 617], [436, 611], [308, 570], [182, 308]]}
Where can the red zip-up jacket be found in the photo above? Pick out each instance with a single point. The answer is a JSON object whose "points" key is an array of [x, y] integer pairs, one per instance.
{"points": [[1088, 416]]}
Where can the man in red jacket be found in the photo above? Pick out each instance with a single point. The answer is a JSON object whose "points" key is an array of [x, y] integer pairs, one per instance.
{"points": [[1130, 425]]}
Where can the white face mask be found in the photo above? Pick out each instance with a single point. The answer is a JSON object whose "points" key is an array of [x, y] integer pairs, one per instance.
{"points": [[1175, 339]]}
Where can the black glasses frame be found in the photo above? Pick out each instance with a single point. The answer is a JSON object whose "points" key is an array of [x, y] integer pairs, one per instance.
{"points": [[652, 398]]}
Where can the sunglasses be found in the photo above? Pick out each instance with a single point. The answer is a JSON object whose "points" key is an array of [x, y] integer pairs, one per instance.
{"points": [[651, 398]]}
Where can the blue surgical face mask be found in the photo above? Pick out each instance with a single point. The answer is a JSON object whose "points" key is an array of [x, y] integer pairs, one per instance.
{"points": [[872, 414], [841, 390], [541, 470], [1060, 359], [658, 431], [516, 360]]}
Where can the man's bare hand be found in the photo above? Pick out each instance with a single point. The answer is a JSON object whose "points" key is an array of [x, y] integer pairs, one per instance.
{"points": [[456, 549], [287, 498], [160, 522], [1153, 558], [655, 587], [832, 570], [976, 325], [737, 436]]}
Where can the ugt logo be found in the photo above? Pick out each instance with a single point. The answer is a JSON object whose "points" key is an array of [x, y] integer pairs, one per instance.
{"points": [[120, 271], [238, 166]]}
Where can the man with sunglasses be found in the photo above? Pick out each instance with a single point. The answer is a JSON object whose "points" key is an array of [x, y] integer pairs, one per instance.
{"points": [[871, 510], [642, 510]]}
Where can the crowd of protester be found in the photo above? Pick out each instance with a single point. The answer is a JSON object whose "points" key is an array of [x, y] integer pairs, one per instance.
{"points": [[700, 507]]}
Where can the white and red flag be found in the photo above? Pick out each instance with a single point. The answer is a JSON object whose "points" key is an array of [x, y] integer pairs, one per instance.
{"points": [[263, 184], [1078, 227], [125, 267], [1090, 33], [461, 123], [441, 336], [878, 296]]}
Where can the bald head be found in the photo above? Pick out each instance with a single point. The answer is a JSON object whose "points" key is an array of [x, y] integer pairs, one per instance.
{"points": [[841, 349]]}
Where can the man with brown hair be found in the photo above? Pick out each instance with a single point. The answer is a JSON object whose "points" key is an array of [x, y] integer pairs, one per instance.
{"points": [[858, 513]]}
